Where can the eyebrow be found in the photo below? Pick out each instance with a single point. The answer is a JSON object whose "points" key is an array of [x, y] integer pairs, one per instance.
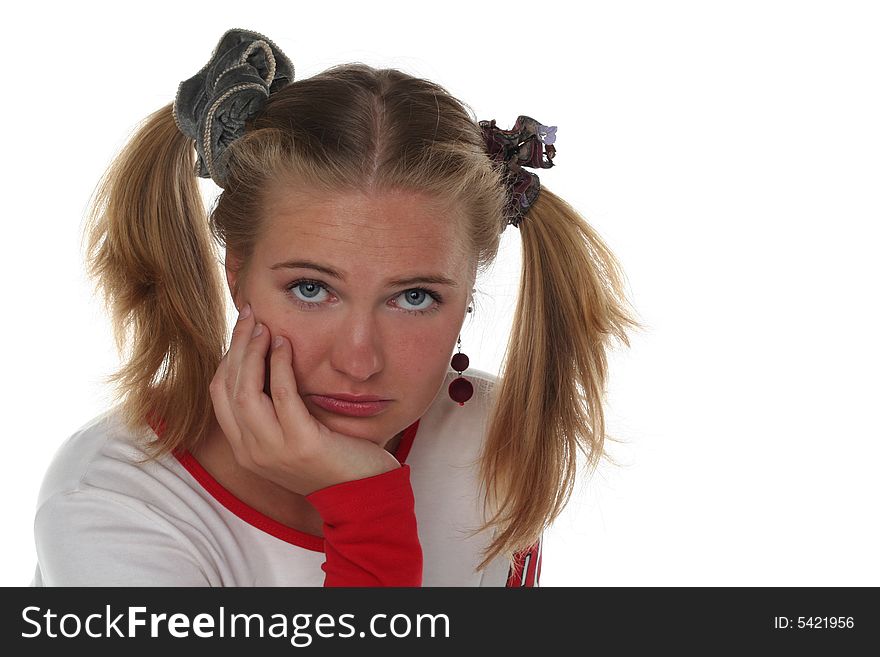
{"points": [[436, 279]]}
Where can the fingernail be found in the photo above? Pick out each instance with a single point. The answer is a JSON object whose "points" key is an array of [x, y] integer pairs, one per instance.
{"points": [[276, 342], [245, 312], [257, 330]]}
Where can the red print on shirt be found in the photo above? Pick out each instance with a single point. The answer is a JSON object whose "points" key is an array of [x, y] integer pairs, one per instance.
{"points": [[526, 570]]}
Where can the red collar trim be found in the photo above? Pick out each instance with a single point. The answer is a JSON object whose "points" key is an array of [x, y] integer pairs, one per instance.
{"points": [[247, 512]]}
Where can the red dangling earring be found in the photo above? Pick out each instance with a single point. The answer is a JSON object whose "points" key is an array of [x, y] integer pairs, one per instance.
{"points": [[460, 389]]}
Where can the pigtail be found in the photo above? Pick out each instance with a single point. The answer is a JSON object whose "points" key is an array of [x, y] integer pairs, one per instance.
{"points": [[550, 389], [150, 253]]}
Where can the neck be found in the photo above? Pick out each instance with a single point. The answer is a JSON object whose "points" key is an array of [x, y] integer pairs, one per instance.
{"points": [[392, 445]]}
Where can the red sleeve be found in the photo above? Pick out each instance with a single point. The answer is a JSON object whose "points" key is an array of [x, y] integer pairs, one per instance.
{"points": [[370, 531], [526, 570]]}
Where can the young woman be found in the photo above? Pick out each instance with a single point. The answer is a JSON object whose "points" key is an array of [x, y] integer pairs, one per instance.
{"points": [[330, 442]]}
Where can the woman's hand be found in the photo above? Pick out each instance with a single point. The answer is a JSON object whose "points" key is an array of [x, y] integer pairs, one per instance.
{"points": [[276, 437]]}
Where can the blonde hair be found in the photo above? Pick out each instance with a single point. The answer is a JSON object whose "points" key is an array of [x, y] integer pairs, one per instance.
{"points": [[152, 251]]}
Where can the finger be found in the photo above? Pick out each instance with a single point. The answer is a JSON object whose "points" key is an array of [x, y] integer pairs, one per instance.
{"points": [[227, 414], [292, 413], [223, 408], [253, 408], [241, 334]]}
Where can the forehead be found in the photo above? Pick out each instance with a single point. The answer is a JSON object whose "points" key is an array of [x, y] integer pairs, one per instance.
{"points": [[355, 231]]}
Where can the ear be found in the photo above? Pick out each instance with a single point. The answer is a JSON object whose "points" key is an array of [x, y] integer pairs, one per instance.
{"points": [[233, 265]]}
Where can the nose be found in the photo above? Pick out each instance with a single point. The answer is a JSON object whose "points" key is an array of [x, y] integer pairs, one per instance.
{"points": [[357, 350]]}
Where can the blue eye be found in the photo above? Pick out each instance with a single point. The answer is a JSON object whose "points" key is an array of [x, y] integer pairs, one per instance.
{"points": [[310, 289]]}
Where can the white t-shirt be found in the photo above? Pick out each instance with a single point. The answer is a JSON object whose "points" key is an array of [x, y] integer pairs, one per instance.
{"points": [[103, 519]]}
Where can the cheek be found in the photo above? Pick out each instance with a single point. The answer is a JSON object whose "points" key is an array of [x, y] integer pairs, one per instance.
{"points": [[421, 357], [307, 350], [425, 347]]}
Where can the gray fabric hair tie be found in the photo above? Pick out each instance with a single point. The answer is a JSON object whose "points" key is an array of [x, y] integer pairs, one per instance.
{"points": [[212, 106]]}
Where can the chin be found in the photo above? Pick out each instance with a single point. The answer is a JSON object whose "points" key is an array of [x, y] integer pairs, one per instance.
{"points": [[356, 427]]}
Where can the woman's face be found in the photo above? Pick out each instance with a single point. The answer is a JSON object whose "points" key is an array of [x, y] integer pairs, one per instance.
{"points": [[361, 333]]}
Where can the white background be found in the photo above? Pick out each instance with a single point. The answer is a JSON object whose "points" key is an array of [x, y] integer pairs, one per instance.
{"points": [[728, 152]]}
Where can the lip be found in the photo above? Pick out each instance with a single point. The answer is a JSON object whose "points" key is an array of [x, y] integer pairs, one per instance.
{"points": [[352, 398], [353, 409]]}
